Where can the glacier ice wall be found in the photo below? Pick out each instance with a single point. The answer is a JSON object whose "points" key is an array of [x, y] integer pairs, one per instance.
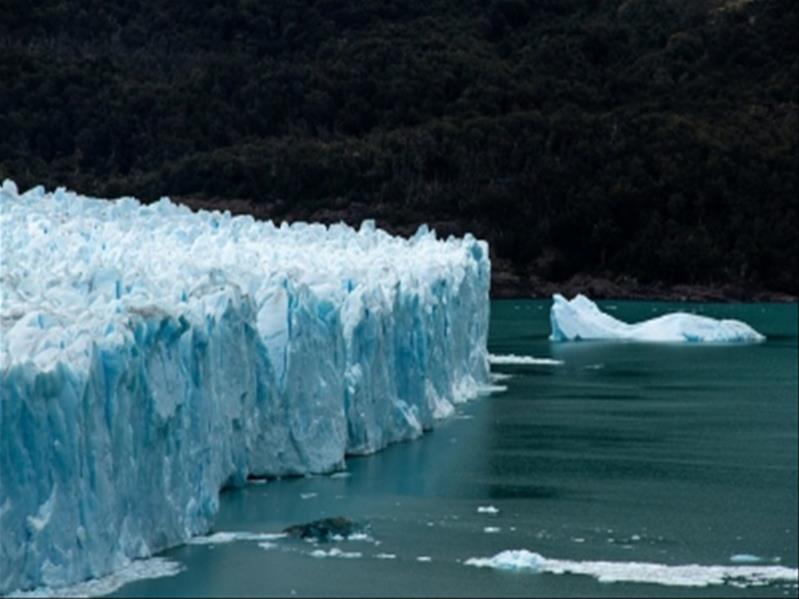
{"points": [[152, 355], [581, 318]]}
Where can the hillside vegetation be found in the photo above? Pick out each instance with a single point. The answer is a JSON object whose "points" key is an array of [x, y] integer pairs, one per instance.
{"points": [[635, 138]]}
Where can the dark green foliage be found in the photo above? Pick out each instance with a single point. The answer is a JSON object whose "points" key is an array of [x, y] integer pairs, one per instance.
{"points": [[651, 138]]}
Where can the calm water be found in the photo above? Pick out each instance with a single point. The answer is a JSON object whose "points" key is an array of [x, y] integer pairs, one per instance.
{"points": [[628, 452]]}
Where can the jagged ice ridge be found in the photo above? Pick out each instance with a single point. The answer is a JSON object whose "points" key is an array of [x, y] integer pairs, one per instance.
{"points": [[151, 355]]}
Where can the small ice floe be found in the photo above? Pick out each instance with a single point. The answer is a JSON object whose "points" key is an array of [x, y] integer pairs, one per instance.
{"points": [[343, 474], [500, 376], [219, 538], [308, 495], [424, 558], [487, 509], [145, 569], [335, 552], [748, 558], [385, 556], [581, 319], [267, 545], [522, 360], [689, 575], [491, 529], [488, 389]]}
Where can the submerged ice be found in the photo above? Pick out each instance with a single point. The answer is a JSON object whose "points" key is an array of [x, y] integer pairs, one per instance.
{"points": [[151, 355], [581, 318]]}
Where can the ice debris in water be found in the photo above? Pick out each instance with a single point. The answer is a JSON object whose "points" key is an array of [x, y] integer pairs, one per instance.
{"points": [[329, 529], [522, 360], [487, 509], [156, 567], [336, 552], [581, 318], [691, 575], [748, 558], [220, 538], [151, 355]]}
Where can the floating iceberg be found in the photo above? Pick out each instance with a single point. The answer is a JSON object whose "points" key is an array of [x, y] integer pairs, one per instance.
{"points": [[152, 355], [689, 575], [581, 318]]}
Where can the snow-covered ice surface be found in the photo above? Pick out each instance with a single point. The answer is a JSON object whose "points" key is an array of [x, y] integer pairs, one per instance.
{"points": [[581, 318], [691, 575], [151, 355]]}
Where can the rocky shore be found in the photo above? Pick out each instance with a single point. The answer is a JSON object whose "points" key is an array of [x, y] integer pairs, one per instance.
{"points": [[506, 284]]}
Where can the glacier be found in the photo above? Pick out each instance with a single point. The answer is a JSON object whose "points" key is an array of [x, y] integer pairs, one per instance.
{"points": [[581, 319], [152, 355]]}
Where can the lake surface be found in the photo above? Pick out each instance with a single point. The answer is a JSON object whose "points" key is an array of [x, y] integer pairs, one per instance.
{"points": [[668, 454]]}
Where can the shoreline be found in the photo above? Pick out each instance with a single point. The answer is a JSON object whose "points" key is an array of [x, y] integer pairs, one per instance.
{"points": [[506, 285]]}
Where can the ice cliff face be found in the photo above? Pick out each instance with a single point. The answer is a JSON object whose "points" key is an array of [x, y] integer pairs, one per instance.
{"points": [[151, 355], [581, 318]]}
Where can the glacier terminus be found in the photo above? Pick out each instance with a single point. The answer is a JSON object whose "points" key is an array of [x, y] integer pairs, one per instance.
{"points": [[152, 355]]}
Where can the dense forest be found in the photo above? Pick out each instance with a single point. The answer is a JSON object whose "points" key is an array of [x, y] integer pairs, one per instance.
{"points": [[645, 140]]}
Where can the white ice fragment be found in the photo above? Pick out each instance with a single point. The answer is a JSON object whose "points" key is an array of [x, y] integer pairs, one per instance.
{"points": [[690, 575], [42, 517], [335, 552], [500, 376], [360, 536], [488, 389], [424, 558], [267, 545], [487, 509], [581, 319], [491, 529], [522, 360], [385, 556]]}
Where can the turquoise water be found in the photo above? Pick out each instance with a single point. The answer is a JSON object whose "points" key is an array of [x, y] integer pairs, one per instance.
{"points": [[672, 454]]}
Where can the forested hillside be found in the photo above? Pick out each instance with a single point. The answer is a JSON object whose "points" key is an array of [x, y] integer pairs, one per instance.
{"points": [[646, 139]]}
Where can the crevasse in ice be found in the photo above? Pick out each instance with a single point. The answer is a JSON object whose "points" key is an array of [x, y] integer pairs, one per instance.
{"points": [[151, 355], [581, 318]]}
